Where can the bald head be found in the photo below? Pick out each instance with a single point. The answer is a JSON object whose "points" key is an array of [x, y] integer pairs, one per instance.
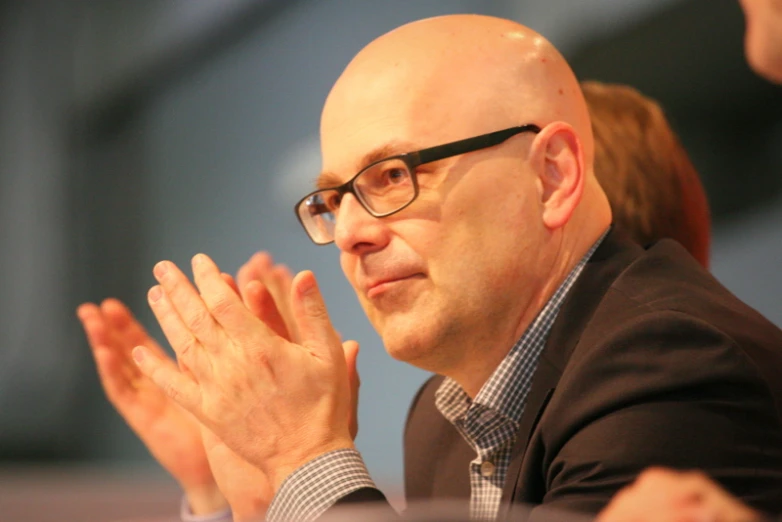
{"points": [[479, 239], [454, 76]]}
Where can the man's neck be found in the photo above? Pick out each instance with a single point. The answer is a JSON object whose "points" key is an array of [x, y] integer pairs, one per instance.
{"points": [[481, 362]]}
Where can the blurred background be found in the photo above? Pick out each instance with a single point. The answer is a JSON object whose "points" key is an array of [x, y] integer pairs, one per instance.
{"points": [[137, 131]]}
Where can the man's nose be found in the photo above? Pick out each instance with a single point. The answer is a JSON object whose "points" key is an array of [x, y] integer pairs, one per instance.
{"points": [[356, 230]]}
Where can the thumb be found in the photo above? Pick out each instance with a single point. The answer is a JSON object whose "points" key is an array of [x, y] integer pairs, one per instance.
{"points": [[350, 348], [315, 329]]}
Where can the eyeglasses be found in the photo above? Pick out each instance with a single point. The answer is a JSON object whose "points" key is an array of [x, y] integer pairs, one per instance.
{"points": [[387, 186]]}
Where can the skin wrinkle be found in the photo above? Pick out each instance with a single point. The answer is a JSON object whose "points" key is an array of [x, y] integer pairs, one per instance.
{"points": [[493, 232]]}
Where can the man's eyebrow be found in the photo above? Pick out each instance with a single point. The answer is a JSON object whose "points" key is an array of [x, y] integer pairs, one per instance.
{"points": [[328, 179]]}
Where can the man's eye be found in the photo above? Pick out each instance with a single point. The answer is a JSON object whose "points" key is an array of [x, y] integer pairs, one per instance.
{"points": [[396, 176], [333, 201]]}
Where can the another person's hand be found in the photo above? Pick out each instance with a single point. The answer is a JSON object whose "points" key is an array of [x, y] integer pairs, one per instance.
{"points": [[276, 403], [662, 495]]}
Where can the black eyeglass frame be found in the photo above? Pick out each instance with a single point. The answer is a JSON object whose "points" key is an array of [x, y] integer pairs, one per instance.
{"points": [[414, 159]]}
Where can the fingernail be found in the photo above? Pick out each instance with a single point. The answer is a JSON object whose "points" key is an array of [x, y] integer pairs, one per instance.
{"points": [[160, 269], [154, 294], [198, 259], [138, 354]]}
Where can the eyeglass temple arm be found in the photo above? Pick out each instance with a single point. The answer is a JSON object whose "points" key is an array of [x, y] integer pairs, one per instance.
{"points": [[469, 144]]}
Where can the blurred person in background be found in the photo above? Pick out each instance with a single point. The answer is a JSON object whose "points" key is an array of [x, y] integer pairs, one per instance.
{"points": [[653, 187]]}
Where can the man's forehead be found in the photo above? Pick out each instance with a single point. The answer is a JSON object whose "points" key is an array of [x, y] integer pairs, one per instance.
{"points": [[344, 164], [368, 117], [366, 125]]}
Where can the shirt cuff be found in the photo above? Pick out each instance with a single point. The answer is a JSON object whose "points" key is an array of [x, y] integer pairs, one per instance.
{"points": [[187, 515], [314, 487]]}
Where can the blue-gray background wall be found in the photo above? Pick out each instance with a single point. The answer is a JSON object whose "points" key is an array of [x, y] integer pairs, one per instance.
{"points": [[137, 131]]}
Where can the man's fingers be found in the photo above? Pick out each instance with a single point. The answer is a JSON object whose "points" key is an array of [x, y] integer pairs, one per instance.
{"points": [[278, 281], [255, 269], [260, 302], [283, 276], [312, 317], [223, 305], [188, 349], [116, 371], [176, 385], [280, 288], [117, 382], [243, 278], [94, 324], [188, 303], [230, 281], [128, 332]]}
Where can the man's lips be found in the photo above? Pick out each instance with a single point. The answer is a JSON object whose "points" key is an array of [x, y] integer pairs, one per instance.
{"points": [[377, 286]]}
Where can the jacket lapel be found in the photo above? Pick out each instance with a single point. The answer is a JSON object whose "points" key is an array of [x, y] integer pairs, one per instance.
{"points": [[613, 255]]}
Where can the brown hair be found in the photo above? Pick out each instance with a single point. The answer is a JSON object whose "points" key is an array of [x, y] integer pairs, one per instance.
{"points": [[651, 184]]}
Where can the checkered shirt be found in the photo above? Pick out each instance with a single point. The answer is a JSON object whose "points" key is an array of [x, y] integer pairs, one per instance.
{"points": [[489, 424]]}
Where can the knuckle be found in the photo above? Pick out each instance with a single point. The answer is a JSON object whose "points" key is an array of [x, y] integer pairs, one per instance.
{"points": [[188, 347], [318, 311], [172, 392], [222, 305], [199, 320], [166, 384]]}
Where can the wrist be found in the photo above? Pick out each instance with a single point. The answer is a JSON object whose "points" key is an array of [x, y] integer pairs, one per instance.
{"points": [[205, 500], [283, 469]]}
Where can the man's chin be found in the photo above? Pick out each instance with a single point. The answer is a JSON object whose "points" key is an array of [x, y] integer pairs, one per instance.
{"points": [[405, 346]]}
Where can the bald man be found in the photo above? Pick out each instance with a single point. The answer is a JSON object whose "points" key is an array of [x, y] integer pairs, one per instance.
{"points": [[458, 186], [763, 37]]}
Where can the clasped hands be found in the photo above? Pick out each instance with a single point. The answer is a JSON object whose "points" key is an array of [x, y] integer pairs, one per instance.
{"points": [[266, 400]]}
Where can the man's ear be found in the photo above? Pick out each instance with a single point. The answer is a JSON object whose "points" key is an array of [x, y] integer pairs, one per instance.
{"points": [[558, 158]]}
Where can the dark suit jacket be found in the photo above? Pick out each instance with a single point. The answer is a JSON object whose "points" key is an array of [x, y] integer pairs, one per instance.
{"points": [[650, 362]]}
